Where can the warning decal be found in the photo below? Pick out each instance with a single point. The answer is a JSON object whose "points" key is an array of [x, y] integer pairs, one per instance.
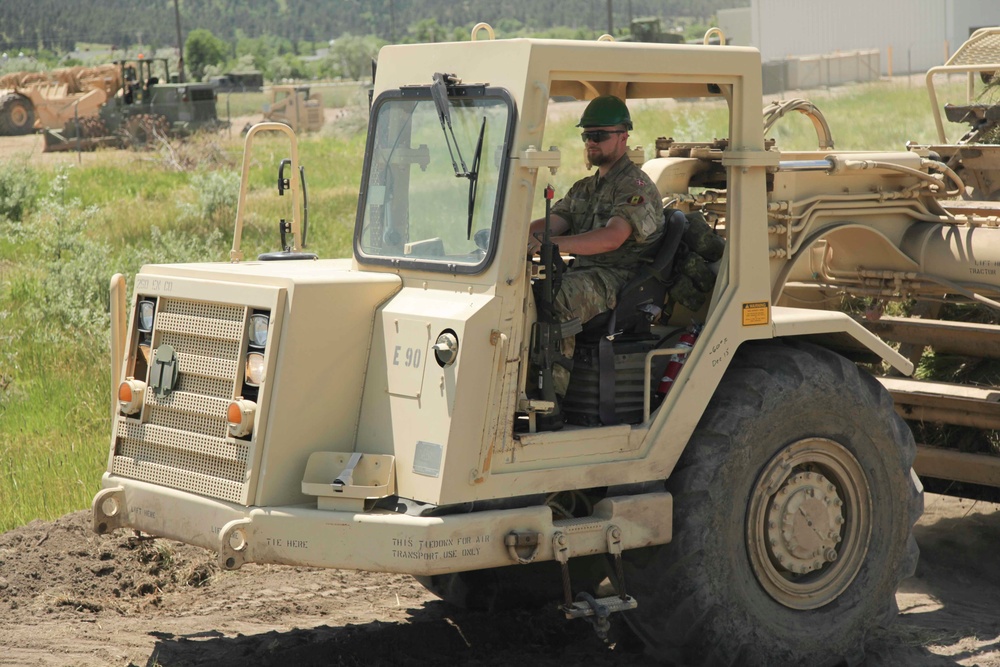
{"points": [[756, 313]]}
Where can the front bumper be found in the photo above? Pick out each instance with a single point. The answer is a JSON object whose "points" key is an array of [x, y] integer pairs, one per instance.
{"points": [[380, 541]]}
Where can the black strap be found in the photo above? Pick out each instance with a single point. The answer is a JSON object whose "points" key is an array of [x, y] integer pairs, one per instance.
{"points": [[606, 375], [675, 225]]}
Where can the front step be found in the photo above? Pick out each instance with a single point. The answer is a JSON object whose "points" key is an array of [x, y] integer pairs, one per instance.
{"points": [[597, 610], [613, 604]]}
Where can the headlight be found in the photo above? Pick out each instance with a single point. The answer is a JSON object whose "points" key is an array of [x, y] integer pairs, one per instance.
{"points": [[446, 348], [146, 311], [254, 375], [257, 330]]}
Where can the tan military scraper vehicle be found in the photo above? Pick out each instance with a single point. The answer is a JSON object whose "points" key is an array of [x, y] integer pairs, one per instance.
{"points": [[40, 100], [299, 107], [378, 412]]}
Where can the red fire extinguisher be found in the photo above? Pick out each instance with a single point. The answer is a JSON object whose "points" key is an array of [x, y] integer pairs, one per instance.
{"points": [[673, 368]]}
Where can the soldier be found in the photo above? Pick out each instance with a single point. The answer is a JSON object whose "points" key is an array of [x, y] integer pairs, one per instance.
{"points": [[607, 221]]}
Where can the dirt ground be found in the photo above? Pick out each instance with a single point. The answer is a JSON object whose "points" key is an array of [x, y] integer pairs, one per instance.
{"points": [[70, 597]]}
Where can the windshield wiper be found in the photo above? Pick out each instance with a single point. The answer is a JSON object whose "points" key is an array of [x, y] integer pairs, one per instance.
{"points": [[473, 176], [439, 91]]}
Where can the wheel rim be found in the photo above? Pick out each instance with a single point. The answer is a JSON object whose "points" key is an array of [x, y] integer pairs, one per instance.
{"points": [[18, 115], [809, 523]]}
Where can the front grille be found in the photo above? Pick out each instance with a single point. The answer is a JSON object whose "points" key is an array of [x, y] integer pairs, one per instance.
{"points": [[201, 94], [182, 439]]}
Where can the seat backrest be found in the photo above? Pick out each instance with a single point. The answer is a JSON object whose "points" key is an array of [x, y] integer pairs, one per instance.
{"points": [[648, 286]]}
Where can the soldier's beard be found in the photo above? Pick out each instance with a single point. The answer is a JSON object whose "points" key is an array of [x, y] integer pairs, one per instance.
{"points": [[599, 158]]}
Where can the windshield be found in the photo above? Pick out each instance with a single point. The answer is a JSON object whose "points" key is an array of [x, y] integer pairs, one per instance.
{"points": [[433, 178]]}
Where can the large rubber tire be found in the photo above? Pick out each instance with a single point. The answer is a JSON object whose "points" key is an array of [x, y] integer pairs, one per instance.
{"points": [[794, 503], [17, 115]]}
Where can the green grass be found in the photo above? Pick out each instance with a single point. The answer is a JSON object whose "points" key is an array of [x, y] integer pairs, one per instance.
{"points": [[231, 105], [119, 209], [115, 212], [348, 94], [55, 411]]}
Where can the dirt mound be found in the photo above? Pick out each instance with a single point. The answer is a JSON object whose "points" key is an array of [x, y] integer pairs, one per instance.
{"points": [[46, 568], [68, 596]]}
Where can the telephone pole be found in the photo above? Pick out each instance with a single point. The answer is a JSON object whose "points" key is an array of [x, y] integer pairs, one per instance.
{"points": [[180, 42]]}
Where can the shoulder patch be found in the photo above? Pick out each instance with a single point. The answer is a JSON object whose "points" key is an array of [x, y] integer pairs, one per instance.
{"points": [[636, 200]]}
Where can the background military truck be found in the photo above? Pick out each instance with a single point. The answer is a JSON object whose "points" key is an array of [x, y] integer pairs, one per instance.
{"points": [[145, 104], [238, 82], [378, 412], [650, 29]]}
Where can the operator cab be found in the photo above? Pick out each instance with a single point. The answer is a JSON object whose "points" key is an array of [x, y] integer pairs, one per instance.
{"points": [[440, 166]]}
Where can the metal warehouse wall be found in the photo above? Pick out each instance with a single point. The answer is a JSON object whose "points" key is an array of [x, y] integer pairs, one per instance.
{"points": [[919, 33]]}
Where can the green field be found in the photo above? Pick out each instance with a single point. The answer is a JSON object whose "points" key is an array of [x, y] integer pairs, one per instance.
{"points": [[348, 94], [66, 226]]}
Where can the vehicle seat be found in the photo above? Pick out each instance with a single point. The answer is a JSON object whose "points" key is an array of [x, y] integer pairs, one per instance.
{"points": [[640, 300], [639, 304]]}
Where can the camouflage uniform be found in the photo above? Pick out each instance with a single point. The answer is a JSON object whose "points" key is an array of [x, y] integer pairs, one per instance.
{"points": [[591, 286]]}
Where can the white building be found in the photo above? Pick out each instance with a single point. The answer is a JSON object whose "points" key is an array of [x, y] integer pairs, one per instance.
{"points": [[910, 35]]}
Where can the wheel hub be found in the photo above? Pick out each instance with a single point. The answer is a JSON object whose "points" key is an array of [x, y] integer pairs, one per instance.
{"points": [[18, 115], [809, 522], [804, 523]]}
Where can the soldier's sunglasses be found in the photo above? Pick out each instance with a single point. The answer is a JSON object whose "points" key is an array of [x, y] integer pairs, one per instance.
{"points": [[597, 136]]}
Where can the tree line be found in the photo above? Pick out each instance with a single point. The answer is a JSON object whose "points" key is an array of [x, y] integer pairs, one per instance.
{"points": [[57, 25], [273, 35]]}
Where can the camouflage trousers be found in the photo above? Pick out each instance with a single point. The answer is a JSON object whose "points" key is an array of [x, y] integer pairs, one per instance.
{"points": [[585, 293]]}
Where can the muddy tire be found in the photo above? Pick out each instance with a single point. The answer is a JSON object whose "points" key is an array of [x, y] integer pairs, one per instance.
{"points": [[17, 115], [794, 504]]}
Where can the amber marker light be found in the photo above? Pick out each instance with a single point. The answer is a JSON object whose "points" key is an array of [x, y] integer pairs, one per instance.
{"points": [[240, 414], [130, 393]]}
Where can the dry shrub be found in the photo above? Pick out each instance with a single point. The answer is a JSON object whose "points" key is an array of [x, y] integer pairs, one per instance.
{"points": [[202, 150]]}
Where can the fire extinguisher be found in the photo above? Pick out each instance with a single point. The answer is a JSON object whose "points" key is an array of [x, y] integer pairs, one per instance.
{"points": [[673, 368]]}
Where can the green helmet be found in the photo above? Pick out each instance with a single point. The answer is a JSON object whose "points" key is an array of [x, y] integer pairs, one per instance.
{"points": [[604, 111]]}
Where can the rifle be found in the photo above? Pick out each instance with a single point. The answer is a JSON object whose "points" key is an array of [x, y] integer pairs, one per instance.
{"points": [[548, 332]]}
